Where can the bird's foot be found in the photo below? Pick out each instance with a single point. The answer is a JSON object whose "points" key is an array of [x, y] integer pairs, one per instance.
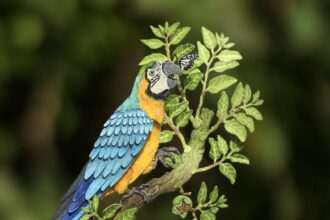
{"points": [[137, 190], [164, 152]]}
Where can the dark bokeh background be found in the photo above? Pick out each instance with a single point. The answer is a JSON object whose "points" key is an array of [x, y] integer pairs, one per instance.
{"points": [[65, 65]]}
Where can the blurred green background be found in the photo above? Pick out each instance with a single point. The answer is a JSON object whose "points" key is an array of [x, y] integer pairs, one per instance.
{"points": [[65, 65]]}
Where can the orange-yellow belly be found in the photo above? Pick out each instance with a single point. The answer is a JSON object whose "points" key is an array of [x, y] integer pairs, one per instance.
{"points": [[142, 162], [155, 110]]}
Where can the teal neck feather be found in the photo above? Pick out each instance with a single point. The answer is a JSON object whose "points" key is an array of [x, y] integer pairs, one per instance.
{"points": [[132, 101]]}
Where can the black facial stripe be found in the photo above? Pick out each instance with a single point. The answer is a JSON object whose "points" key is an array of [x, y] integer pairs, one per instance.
{"points": [[161, 96], [154, 80]]}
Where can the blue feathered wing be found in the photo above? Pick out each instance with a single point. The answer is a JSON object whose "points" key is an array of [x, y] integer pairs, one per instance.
{"points": [[122, 138]]}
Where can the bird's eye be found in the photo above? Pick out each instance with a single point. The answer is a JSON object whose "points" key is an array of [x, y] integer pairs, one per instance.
{"points": [[151, 72]]}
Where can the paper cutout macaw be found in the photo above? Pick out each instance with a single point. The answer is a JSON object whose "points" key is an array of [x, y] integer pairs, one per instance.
{"points": [[128, 143]]}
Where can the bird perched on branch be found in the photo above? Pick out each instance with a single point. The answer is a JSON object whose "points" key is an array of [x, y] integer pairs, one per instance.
{"points": [[128, 143]]}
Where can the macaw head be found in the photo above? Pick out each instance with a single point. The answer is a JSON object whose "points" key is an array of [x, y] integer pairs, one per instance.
{"points": [[162, 76]]}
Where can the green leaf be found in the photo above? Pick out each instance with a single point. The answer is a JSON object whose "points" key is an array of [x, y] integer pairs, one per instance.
{"points": [[202, 193], [221, 40], [234, 147], [171, 103], [252, 111], [86, 217], [111, 210], [222, 145], [256, 96], [259, 102], [228, 171], [203, 53], [222, 200], [229, 55], [157, 32], [179, 35], [179, 108], [220, 83], [172, 100], [214, 194], [214, 151], [162, 29], [207, 215], [239, 158], [95, 202], [247, 94], [126, 215], [198, 62], [166, 26], [223, 104], [165, 136], [245, 120], [229, 45], [192, 80], [223, 206], [214, 210], [153, 43], [209, 38], [183, 119], [235, 128], [237, 96], [183, 50], [173, 28], [220, 67], [152, 58]]}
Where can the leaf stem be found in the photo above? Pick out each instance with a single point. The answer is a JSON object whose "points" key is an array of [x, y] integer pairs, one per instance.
{"points": [[181, 190], [167, 48], [216, 164], [176, 130], [204, 82], [94, 214], [231, 113], [194, 215]]}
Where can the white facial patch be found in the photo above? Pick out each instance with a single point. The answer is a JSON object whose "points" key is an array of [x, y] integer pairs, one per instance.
{"points": [[161, 85], [157, 79]]}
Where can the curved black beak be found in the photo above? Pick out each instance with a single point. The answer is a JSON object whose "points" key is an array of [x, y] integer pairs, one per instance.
{"points": [[170, 69], [172, 72]]}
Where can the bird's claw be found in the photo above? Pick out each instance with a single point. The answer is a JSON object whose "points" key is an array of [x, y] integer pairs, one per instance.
{"points": [[164, 152], [137, 190]]}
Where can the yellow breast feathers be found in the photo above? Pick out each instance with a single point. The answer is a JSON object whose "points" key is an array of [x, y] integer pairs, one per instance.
{"points": [[154, 108]]}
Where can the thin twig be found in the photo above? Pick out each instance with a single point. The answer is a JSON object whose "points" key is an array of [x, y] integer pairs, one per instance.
{"points": [[176, 130], [204, 82], [167, 49], [216, 164], [232, 112]]}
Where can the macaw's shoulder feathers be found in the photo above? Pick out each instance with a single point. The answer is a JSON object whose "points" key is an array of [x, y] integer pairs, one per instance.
{"points": [[122, 138]]}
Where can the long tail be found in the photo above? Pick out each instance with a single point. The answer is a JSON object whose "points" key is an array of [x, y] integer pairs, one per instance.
{"points": [[65, 202]]}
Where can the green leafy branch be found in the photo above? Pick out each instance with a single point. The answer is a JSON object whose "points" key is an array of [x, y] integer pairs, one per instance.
{"points": [[91, 211], [205, 208], [236, 112]]}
